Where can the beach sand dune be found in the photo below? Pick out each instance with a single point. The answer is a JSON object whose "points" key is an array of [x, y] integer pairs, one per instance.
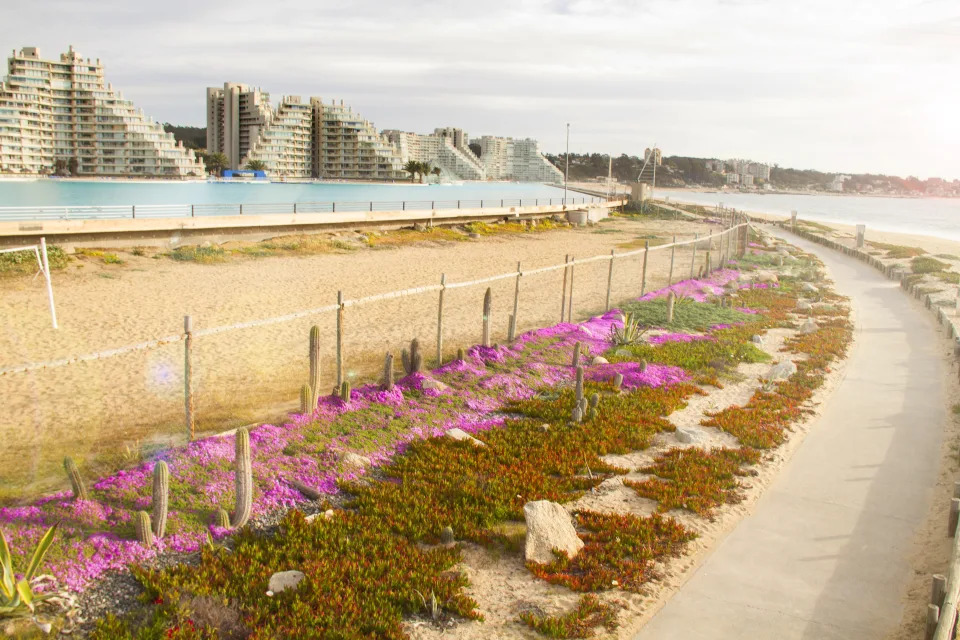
{"points": [[94, 410]]}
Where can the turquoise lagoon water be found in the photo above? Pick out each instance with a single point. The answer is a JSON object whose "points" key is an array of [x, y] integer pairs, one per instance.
{"points": [[938, 217], [51, 192]]}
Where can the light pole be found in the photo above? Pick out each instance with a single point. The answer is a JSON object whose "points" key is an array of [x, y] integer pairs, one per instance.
{"points": [[566, 173]]}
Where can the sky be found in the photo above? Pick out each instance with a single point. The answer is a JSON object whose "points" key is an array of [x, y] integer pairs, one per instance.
{"points": [[836, 86]]}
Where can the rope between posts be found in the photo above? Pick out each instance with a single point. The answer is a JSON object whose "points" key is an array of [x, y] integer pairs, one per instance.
{"points": [[153, 344]]}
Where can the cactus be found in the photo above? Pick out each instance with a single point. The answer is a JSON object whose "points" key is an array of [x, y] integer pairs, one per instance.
{"points": [[79, 490], [345, 391], [643, 366], [161, 493], [244, 480], [577, 415], [578, 389], [388, 372], [461, 356], [144, 533], [314, 380], [413, 359], [223, 519], [446, 536], [306, 394], [593, 403], [487, 309], [576, 355], [617, 382]]}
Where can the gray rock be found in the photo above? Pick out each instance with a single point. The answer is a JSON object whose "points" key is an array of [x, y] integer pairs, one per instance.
{"points": [[803, 305], [809, 288], [767, 276], [756, 339], [599, 360], [435, 385], [354, 461], [782, 370], [549, 527], [691, 435], [283, 580], [460, 434], [475, 236], [733, 285], [808, 327]]}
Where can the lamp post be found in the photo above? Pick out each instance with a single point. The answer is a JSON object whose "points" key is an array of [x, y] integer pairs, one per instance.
{"points": [[566, 173]]}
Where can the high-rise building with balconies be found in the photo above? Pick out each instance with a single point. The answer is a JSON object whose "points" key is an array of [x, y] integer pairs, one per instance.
{"points": [[285, 145], [56, 114], [236, 114], [520, 160]]}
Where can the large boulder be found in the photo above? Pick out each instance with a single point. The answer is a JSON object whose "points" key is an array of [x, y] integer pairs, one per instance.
{"points": [[808, 327], [781, 370], [692, 435], [351, 460], [767, 276], [460, 434], [283, 580], [804, 306], [549, 527], [806, 287]]}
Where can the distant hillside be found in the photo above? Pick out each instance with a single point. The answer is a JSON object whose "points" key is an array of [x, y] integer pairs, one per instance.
{"points": [[192, 137], [682, 171]]}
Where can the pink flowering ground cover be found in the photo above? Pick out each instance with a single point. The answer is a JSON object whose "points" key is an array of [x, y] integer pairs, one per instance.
{"points": [[97, 536]]}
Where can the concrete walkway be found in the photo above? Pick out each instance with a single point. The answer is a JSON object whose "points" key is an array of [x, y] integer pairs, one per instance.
{"points": [[824, 554]]}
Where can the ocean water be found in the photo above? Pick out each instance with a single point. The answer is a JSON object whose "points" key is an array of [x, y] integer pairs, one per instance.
{"points": [[927, 216], [100, 193]]}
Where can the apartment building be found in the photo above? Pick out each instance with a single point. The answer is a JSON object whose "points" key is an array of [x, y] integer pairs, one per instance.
{"points": [[285, 145], [56, 114], [520, 160], [345, 146], [236, 114], [447, 148]]}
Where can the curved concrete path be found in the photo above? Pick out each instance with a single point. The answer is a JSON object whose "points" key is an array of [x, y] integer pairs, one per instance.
{"points": [[824, 553]]}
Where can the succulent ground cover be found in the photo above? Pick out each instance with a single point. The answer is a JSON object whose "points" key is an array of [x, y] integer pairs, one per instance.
{"points": [[376, 561], [589, 614]]}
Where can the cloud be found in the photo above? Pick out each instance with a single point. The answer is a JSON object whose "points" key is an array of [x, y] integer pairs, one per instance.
{"points": [[837, 85]]}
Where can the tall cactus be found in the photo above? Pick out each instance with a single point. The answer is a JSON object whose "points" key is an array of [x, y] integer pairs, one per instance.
{"points": [[161, 494], [314, 380], [79, 490], [144, 533], [223, 519], [345, 391], [306, 395], [487, 308], [461, 355], [576, 355], [388, 372], [244, 480], [578, 389], [413, 359]]}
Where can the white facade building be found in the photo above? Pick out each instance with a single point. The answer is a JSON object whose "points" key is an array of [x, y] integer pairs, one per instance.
{"points": [[56, 114], [236, 114], [521, 160]]}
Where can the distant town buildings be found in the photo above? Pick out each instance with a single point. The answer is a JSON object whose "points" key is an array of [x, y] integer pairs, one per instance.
{"points": [[745, 173], [59, 116], [837, 183]]}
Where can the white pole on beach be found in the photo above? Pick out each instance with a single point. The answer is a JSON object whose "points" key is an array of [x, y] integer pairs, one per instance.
{"points": [[46, 274], [566, 173]]}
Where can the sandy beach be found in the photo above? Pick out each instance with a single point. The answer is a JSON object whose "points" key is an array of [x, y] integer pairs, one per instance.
{"points": [[95, 410]]}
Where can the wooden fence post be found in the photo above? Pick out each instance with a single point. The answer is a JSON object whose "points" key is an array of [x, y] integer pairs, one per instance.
{"points": [[610, 279], [339, 338], [954, 512], [188, 375], [673, 251], [563, 297], [573, 262], [933, 617], [938, 589], [643, 273], [443, 287], [693, 258], [512, 329]]}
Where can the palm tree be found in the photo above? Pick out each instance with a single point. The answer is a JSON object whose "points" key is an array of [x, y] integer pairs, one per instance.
{"points": [[425, 168], [256, 165], [216, 163], [437, 171], [413, 168]]}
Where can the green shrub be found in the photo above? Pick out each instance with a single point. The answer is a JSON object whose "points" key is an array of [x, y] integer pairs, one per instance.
{"points": [[589, 614], [25, 262], [926, 264], [688, 315], [897, 251], [203, 255]]}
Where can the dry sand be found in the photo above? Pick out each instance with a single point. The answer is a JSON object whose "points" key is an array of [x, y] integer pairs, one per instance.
{"points": [[94, 410]]}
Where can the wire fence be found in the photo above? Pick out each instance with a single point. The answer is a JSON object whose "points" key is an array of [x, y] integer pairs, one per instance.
{"points": [[117, 212], [245, 371]]}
